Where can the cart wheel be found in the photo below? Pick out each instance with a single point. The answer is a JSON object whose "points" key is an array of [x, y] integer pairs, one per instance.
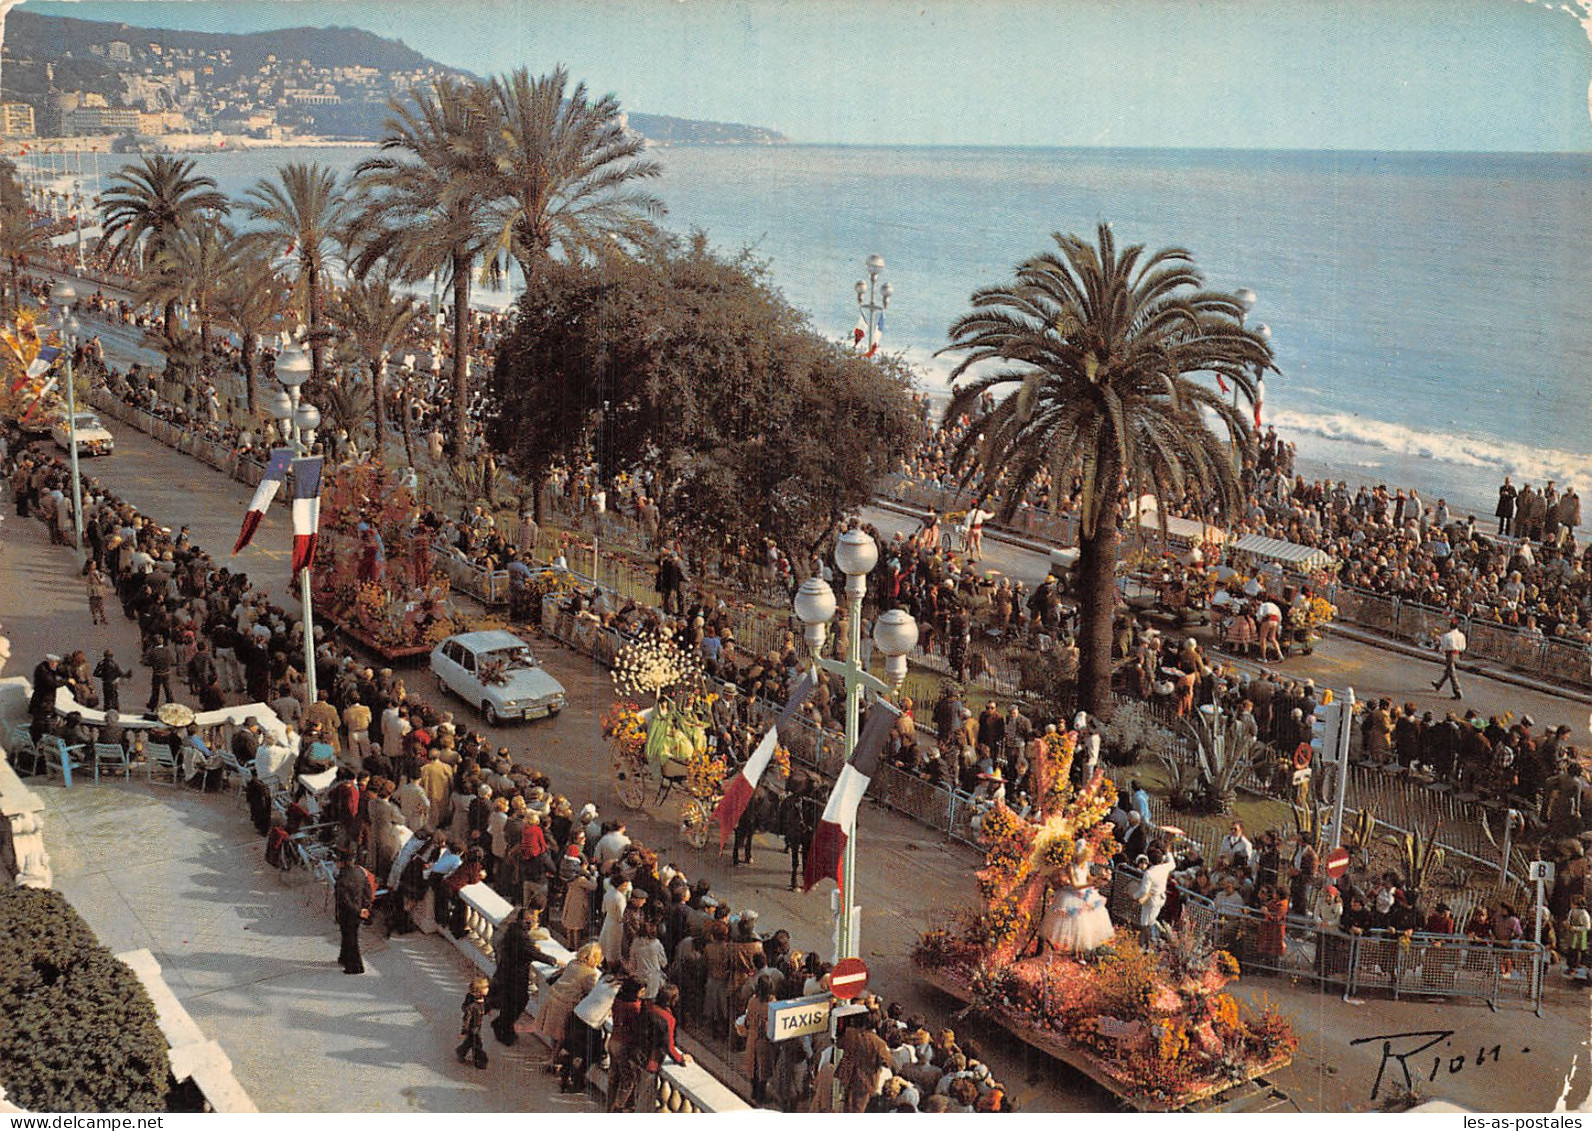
{"points": [[632, 790], [694, 822]]}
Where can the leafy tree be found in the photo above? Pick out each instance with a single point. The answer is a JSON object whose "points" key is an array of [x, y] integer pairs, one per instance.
{"points": [[303, 212], [425, 203], [1099, 350], [150, 203], [80, 1032], [701, 372], [192, 268]]}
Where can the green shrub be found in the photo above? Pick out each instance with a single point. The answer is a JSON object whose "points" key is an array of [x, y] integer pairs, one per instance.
{"points": [[77, 1031]]}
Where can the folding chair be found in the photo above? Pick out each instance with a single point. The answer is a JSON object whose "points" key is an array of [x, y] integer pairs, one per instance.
{"points": [[59, 756], [114, 755], [158, 759], [19, 742]]}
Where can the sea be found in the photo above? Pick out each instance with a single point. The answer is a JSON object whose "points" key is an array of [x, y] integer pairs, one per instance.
{"points": [[1428, 310]]}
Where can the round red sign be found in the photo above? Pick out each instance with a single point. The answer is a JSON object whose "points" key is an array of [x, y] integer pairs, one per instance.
{"points": [[849, 978], [1337, 862]]}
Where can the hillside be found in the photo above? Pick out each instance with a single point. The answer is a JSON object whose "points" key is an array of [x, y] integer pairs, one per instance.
{"points": [[334, 81]]}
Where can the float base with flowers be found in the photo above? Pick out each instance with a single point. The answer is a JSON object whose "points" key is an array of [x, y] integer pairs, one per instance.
{"points": [[373, 569], [1156, 1027]]}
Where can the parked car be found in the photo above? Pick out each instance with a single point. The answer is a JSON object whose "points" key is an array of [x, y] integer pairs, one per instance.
{"points": [[93, 438], [496, 672]]}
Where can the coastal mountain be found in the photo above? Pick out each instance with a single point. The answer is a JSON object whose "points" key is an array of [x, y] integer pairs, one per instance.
{"points": [[96, 76]]}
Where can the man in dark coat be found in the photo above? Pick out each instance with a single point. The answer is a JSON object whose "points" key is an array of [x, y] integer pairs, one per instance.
{"points": [[48, 678], [352, 898], [798, 818], [160, 660], [110, 674], [511, 983]]}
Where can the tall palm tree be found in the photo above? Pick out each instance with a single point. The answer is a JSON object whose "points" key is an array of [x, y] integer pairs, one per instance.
{"points": [[567, 172], [20, 241], [426, 201], [149, 203], [304, 212], [191, 268], [376, 318], [1104, 348], [250, 300]]}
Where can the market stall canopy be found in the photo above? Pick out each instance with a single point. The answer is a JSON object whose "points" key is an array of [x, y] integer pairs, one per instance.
{"points": [[1182, 529], [1286, 553]]}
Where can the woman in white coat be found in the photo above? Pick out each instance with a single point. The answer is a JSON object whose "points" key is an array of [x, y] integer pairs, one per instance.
{"points": [[612, 935]]}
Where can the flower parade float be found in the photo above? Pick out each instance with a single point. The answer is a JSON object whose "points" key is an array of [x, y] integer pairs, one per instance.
{"points": [[1156, 1026], [666, 746], [373, 570]]}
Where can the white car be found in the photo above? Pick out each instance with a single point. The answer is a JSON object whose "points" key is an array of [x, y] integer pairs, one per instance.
{"points": [[496, 671], [93, 438]]}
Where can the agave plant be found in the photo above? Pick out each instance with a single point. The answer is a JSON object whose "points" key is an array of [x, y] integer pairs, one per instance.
{"points": [[1223, 752], [1358, 831], [1419, 854]]}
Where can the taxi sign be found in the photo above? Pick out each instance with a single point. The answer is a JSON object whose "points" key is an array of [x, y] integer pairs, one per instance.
{"points": [[849, 978], [798, 1017]]}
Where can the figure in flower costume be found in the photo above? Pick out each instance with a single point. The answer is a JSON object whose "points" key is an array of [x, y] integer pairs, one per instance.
{"points": [[668, 742], [1077, 920]]}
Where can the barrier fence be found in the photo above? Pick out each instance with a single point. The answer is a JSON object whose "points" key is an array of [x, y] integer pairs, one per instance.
{"points": [[1419, 964]]}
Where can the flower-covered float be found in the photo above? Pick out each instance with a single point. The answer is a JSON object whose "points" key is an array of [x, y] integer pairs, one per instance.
{"points": [[665, 745], [373, 569], [1156, 1026]]}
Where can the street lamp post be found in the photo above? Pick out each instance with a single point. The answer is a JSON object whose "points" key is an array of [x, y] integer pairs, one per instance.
{"points": [[1247, 299], [65, 296], [77, 219], [895, 634], [873, 300], [298, 420]]}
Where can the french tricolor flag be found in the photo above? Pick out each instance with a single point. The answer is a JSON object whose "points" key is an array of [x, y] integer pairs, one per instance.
{"points": [[1260, 399], [828, 851], [878, 335], [270, 483], [859, 331], [306, 510], [38, 367], [739, 789]]}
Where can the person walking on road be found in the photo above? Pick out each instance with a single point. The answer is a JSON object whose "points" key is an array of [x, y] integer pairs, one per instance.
{"points": [[110, 674], [160, 659], [353, 899], [1452, 645]]}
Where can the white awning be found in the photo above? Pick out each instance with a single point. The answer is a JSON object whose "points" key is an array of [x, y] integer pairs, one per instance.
{"points": [[1182, 529], [1288, 553]]}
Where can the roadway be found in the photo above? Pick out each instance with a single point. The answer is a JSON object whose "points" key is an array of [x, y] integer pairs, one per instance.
{"points": [[907, 877]]}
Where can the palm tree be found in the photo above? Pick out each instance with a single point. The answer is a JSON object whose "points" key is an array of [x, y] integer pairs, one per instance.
{"points": [[566, 170], [191, 268], [250, 301], [303, 211], [427, 198], [20, 241], [150, 203], [376, 317], [1103, 347]]}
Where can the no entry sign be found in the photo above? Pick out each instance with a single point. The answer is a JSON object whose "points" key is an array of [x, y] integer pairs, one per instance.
{"points": [[1337, 862], [849, 978]]}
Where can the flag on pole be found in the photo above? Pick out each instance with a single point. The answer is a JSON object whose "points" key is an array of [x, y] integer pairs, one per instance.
{"points": [[270, 483], [739, 789], [1260, 398], [38, 400], [38, 367], [306, 510], [873, 346], [828, 850], [859, 332]]}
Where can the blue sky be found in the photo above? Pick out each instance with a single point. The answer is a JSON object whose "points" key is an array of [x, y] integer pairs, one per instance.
{"points": [[1328, 74]]}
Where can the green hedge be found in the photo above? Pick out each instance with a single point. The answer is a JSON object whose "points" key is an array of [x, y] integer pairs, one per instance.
{"points": [[77, 1031]]}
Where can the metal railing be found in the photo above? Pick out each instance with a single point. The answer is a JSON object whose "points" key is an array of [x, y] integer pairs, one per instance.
{"points": [[1421, 964]]}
